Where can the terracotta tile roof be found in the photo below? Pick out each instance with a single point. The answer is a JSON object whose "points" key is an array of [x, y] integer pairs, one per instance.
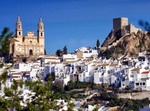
{"points": [[89, 57], [113, 65], [54, 62], [103, 65], [12, 71], [145, 72], [16, 73], [135, 69], [26, 71], [15, 76], [93, 65], [141, 57], [18, 80], [65, 62]]}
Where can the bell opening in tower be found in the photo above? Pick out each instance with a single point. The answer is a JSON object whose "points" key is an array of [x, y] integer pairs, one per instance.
{"points": [[30, 52]]}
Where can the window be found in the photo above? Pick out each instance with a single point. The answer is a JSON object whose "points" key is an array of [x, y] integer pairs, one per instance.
{"points": [[41, 34], [137, 84], [30, 42], [19, 33], [41, 27], [131, 75], [143, 83]]}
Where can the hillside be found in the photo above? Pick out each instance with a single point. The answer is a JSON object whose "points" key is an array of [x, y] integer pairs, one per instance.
{"points": [[128, 45]]}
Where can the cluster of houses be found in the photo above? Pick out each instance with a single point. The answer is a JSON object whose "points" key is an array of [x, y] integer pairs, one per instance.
{"points": [[84, 65]]}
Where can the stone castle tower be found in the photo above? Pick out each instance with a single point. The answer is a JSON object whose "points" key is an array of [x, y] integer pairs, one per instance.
{"points": [[122, 25], [27, 45]]}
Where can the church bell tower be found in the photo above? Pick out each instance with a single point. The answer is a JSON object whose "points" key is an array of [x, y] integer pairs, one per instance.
{"points": [[40, 28], [18, 28], [40, 35]]}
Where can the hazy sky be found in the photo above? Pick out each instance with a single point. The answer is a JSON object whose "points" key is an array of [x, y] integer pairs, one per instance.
{"points": [[74, 23]]}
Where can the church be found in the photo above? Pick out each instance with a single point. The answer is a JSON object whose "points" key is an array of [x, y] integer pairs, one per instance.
{"points": [[27, 45]]}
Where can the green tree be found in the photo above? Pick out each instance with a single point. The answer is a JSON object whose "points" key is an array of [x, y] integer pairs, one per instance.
{"points": [[70, 106], [95, 109], [145, 25], [3, 76], [59, 52], [15, 99], [44, 98], [65, 50], [5, 37], [11, 98], [79, 109], [4, 104], [98, 43], [128, 88]]}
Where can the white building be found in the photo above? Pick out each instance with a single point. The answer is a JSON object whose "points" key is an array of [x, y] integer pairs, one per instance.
{"points": [[69, 57], [88, 52]]}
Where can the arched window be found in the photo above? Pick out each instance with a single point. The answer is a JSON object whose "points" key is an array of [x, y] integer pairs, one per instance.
{"points": [[30, 42], [30, 52], [41, 34], [19, 33]]}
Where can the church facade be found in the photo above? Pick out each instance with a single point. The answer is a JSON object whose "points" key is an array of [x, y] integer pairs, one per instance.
{"points": [[27, 45]]}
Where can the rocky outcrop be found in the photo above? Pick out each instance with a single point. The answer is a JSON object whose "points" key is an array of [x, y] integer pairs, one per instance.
{"points": [[130, 44], [111, 38]]}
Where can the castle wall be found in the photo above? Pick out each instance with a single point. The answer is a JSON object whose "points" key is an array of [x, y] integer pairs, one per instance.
{"points": [[132, 28]]}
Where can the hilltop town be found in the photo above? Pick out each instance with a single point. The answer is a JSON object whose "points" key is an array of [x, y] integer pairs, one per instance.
{"points": [[121, 64]]}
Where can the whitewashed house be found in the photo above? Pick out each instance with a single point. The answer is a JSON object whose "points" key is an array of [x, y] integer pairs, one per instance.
{"points": [[88, 52], [142, 81], [69, 57]]}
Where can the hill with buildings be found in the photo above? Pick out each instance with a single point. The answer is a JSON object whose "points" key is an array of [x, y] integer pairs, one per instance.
{"points": [[80, 80], [125, 40]]}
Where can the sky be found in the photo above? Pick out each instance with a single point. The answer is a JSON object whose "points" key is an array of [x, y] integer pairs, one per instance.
{"points": [[74, 23]]}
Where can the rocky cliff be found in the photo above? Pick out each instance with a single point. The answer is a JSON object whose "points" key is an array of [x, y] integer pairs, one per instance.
{"points": [[128, 45]]}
